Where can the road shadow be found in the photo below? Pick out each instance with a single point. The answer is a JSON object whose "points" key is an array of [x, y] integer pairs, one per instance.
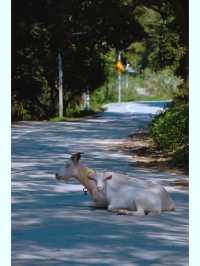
{"points": [[54, 223]]}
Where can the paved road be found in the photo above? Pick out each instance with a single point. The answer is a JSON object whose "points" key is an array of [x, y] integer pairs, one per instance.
{"points": [[54, 223]]}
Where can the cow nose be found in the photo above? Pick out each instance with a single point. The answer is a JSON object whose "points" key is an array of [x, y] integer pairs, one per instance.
{"points": [[100, 188]]}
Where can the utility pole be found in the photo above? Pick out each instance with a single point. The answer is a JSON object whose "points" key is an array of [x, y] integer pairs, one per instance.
{"points": [[119, 79], [127, 74], [60, 83], [60, 74], [119, 87]]}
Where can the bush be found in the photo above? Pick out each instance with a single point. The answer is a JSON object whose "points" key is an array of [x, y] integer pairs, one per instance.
{"points": [[163, 83], [169, 130]]}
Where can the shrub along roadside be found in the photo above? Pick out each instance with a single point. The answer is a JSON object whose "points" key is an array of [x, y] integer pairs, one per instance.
{"points": [[170, 132]]}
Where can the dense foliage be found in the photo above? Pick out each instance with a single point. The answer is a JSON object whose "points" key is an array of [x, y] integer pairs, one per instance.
{"points": [[81, 31], [170, 128], [89, 35], [170, 132]]}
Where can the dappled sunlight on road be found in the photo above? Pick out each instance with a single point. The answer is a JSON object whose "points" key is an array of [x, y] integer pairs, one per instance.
{"points": [[55, 223]]}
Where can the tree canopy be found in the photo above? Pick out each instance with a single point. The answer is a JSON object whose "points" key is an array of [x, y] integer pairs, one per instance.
{"points": [[154, 32]]}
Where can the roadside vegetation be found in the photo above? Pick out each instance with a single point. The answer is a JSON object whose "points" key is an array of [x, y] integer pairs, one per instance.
{"points": [[169, 131]]}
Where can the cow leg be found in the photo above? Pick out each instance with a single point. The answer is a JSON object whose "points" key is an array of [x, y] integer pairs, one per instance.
{"points": [[128, 212], [141, 213], [119, 211], [124, 212], [155, 212]]}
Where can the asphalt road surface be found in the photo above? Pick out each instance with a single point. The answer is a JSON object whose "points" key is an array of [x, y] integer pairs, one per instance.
{"points": [[54, 223]]}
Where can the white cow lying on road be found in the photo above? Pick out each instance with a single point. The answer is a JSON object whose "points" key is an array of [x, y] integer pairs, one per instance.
{"points": [[119, 193], [125, 194]]}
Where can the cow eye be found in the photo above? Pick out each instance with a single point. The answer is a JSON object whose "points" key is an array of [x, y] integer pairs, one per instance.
{"points": [[91, 178]]}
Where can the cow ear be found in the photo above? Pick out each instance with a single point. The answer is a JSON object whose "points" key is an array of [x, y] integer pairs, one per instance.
{"points": [[108, 177], [76, 157]]}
